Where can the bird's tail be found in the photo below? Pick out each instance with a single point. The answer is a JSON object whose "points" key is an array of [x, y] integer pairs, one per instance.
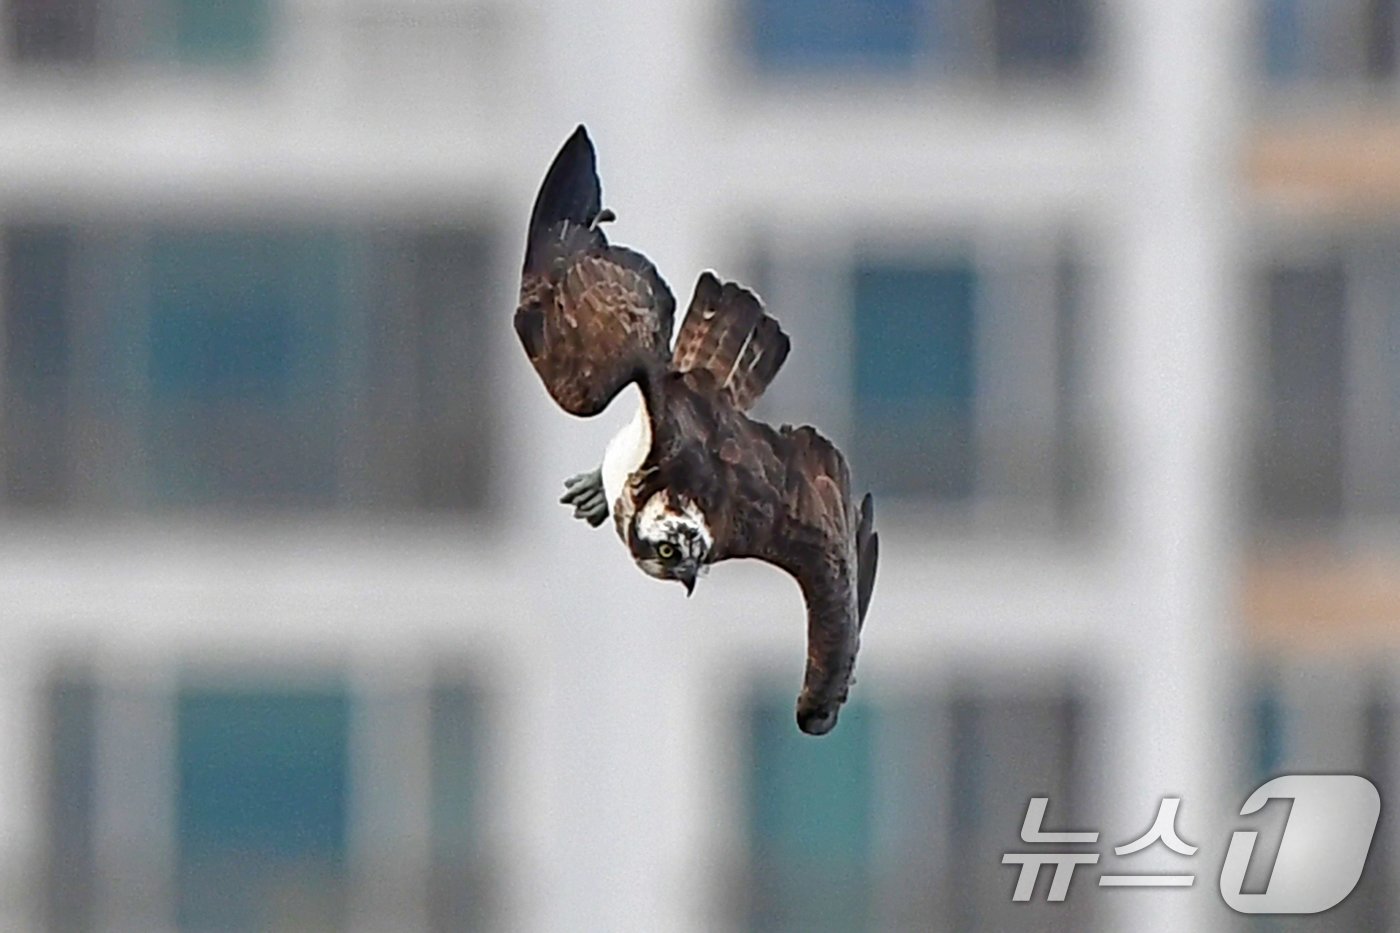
{"points": [[570, 192], [727, 334]]}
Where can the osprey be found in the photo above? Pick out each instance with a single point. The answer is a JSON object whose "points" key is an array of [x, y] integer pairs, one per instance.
{"points": [[692, 480]]}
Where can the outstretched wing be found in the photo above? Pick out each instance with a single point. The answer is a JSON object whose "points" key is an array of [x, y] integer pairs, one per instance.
{"points": [[794, 509], [593, 317]]}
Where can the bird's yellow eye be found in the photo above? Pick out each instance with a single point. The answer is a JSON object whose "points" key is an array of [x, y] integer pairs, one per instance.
{"points": [[665, 551]]}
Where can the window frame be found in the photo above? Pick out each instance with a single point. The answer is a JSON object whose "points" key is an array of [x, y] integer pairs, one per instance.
{"points": [[104, 433], [808, 282]]}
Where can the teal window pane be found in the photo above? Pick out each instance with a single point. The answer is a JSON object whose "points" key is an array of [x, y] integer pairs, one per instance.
{"points": [[243, 314], [222, 352], [811, 820], [458, 887], [243, 365], [915, 376], [261, 808], [221, 31], [914, 332]]}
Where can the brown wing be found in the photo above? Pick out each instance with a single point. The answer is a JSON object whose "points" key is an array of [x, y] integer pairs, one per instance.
{"points": [[795, 510], [592, 317], [727, 334]]}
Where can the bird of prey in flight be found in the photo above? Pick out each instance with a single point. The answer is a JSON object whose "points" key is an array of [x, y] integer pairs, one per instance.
{"points": [[692, 480]]}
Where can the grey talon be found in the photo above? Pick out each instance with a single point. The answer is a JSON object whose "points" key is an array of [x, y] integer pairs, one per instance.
{"points": [[585, 493]]}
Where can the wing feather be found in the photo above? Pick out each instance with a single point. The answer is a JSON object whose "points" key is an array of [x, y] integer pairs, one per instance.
{"points": [[727, 334], [795, 511], [592, 317]]}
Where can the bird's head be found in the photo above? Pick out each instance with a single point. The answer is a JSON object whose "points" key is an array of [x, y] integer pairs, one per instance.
{"points": [[670, 540]]}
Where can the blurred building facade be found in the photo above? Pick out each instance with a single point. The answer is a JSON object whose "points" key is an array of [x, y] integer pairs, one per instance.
{"points": [[1097, 298]]}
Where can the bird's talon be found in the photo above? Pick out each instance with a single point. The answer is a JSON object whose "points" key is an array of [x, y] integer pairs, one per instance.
{"points": [[585, 493]]}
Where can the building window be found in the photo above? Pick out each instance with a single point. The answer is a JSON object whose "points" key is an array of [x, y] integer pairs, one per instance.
{"points": [[1002, 38], [1310, 718], [235, 805], [954, 373], [217, 31], [811, 821], [966, 380], [1040, 37], [915, 376], [245, 369], [188, 32], [431, 366], [1300, 449], [1004, 750], [1337, 41], [899, 818], [244, 386], [871, 34], [1327, 433], [261, 808], [59, 31], [459, 885]]}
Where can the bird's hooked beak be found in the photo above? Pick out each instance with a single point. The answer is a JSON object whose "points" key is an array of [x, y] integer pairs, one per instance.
{"points": [[687, 577]]}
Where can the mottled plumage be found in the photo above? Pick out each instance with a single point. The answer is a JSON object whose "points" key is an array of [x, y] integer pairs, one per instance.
{"points": [[710, 483]]}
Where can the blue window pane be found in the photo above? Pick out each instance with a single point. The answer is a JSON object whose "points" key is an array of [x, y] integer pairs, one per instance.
{"points": [[811, 820], [243, 359], [1283, 38], [1320, 39], [915, 377], [261, 809], [807, 34], [220, 31]]}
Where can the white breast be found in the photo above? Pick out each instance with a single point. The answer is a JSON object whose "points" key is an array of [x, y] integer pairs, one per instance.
{"points": [[626, 452]]}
